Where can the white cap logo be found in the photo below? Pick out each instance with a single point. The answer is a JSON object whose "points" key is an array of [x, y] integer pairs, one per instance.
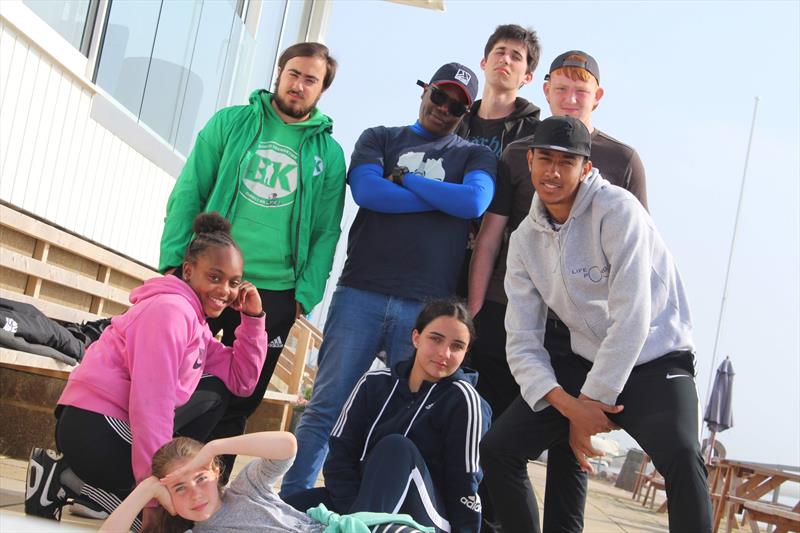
{"points": [[463, 76]]}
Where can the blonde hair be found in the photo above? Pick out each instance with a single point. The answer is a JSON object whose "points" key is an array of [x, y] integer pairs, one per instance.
{"points": [[178, 449]]}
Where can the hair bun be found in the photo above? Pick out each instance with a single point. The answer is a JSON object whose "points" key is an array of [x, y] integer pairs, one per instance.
{"points": [[210, 223]]}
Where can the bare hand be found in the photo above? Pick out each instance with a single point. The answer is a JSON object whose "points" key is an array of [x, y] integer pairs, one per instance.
{"points": [[248, 301], [581, 444], [590, 416], [587, 418], [201, 460], [298, 310], [163, 497]]}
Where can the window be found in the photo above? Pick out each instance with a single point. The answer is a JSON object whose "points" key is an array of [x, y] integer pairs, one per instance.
{"points": [[70, 18], [172, 64]]}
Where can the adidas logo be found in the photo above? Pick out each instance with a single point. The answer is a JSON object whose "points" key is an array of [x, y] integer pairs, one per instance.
{"points": [[277, 342], [472, 502], [10, 325]]}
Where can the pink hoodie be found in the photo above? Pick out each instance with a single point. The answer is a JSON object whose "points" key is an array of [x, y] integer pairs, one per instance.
{"points": [[150, 359]]}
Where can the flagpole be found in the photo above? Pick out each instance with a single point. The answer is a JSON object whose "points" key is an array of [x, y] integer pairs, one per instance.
{"points": [[730, 253]]}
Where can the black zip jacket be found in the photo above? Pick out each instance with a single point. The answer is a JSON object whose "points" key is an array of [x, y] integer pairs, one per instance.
{"points": [[446, 421], [520, 123]]}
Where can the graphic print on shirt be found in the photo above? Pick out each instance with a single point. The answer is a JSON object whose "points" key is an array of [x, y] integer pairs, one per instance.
{"points": [[593, 273], [415, 162], [271, 176], [11, 325], [493, 143], [200, 357]]}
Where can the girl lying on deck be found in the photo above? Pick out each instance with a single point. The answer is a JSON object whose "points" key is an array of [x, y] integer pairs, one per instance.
{"points": [[185, 480], [133, 391]]}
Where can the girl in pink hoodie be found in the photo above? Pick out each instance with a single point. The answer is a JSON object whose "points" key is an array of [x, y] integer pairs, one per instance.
{"points": [[135, 387]]}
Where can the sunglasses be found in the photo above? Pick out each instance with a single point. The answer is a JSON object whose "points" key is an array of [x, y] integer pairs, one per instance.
{"points": [[439, 97]]}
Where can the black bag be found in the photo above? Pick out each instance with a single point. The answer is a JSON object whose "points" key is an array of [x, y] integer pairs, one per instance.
{"points": [[25, 321]]}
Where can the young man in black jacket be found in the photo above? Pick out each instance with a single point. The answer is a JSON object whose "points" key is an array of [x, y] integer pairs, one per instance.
{"points": [[500, 117], [509, 58]]}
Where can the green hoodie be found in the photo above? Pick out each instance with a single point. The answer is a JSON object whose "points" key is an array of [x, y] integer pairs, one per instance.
{"points": [[211, 178]]}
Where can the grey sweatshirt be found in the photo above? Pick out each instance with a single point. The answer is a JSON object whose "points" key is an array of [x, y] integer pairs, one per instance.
{"points": [[610, 278], [250, 504]]}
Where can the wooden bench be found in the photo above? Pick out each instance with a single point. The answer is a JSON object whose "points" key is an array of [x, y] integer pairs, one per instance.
{"points": [[72, 280], [740, 487], [292, 375], [69, 279], [784, 519], [64, 276]]}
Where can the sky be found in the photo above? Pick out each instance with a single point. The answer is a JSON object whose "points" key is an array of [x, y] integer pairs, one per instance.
{"points": [[680, 83]]}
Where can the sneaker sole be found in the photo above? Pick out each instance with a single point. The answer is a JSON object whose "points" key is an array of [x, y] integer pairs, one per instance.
{"points": [[79, 509]]}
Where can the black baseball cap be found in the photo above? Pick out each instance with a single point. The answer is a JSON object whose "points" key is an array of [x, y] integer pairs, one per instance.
{"points": [[588, 63], [458, 75], [563, 134]]}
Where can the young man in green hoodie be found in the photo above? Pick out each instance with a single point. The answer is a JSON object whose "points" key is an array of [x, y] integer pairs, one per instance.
{"points": [[274, 171]]}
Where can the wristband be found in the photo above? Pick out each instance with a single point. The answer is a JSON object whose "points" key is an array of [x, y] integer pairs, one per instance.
{"points": [[398, 173]]}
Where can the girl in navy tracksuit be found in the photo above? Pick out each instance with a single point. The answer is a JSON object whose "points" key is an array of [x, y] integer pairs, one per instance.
{"points": [[407, 438]]}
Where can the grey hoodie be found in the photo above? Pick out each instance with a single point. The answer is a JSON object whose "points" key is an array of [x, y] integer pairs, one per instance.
{"points": [[609, 276]]}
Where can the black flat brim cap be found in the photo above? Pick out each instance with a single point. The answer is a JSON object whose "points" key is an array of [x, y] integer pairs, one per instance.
{"points": [[563, 134], [588, 63]]}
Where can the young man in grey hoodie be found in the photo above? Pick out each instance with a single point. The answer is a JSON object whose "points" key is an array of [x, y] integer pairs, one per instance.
{"points": [[589, 251]]}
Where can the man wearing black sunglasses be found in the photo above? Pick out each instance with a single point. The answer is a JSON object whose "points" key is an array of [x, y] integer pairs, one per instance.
{"points": [[417, 187]]}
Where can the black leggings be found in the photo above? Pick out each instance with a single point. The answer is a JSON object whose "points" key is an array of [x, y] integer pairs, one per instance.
{"points": [[97, 448], [279, 307], [661, 413]]}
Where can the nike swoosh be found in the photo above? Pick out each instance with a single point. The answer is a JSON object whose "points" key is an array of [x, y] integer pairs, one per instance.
{"points": [[37, 472], [673, 376], [43, 499], [197, 364]]}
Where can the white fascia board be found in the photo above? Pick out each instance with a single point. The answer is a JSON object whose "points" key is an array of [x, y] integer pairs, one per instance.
{"points": [[436, 5]]}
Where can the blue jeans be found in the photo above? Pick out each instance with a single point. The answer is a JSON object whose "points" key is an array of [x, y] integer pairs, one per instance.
{"points": [[359, 325]]}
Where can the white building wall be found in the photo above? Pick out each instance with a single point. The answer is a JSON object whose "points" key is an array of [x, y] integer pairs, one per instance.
{"points": [[58, 163]]}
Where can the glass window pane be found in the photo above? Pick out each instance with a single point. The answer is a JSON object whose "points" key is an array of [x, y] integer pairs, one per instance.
{"points": [[238, 65], [127, 45], [267, 41], [169, 77], [174, 63], [296, 26], [206, 70], [67, 17]]}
